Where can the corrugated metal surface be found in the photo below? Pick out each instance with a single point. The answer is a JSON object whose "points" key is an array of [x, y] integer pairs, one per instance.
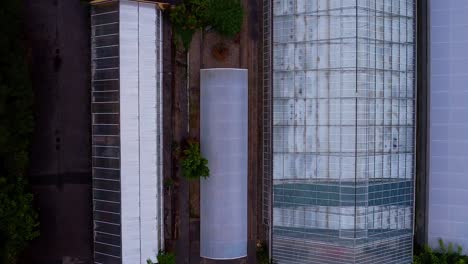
{"points": [[130, 132], [343, 130], [149, 130]]}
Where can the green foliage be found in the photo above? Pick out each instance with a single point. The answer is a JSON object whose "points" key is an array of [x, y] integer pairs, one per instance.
{"points": [[223, 16], [163, 258], [194, 165], [185, 22], [166, 258], [262, 254], [18, 221], [169, 183], [443, 255]]}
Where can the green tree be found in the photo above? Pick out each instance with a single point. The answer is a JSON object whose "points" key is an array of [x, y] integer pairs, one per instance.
{"points": [[222, 16], [18, 221]]}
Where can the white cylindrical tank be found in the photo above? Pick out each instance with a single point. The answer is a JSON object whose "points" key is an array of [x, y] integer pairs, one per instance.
{"points": [[223, 136]]}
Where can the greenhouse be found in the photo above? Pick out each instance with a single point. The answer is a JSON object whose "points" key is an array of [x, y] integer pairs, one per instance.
{"points": [[342, 131]]}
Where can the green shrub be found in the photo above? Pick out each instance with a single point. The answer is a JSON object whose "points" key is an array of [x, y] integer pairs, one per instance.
{"points": [[18, 221], [185, 23], [163, 258], [263, 255], [223, 16], [443, 255], [166, 258], [194, 165]]}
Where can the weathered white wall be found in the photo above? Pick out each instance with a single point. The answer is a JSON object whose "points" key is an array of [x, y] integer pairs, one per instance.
{"points": [[150, 173], [140, 131], [448, 181], [129, 141]]}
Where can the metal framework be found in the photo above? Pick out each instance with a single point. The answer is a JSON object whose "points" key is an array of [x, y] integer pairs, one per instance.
{"points": [[162, 4], [126, 61], [267, 122], [105, 95], [340, 89]]}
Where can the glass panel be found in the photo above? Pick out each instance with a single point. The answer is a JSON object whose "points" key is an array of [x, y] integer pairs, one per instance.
{"points": [[105, 109], [342, 131]]}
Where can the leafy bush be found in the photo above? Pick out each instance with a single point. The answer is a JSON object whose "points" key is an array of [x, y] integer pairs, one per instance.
{"points": [[223, 16], [166, 258], [194, 165], [163, 258], [443, 255], [185, 21], [18, 221], [263, 255]]}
